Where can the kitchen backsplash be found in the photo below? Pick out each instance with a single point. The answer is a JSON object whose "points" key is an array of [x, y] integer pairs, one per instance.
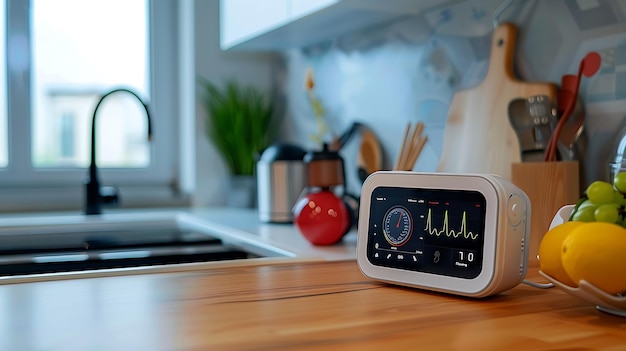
{"points": [[408, 71]]}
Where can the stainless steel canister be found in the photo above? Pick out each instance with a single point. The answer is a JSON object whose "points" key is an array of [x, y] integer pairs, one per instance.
{"points": [[281, 177]]}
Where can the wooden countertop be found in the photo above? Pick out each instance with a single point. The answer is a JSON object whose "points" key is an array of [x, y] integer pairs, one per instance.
{"points": [[290, 305]]}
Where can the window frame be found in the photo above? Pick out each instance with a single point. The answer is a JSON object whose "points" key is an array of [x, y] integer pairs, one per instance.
{"points": [[62, 188]]}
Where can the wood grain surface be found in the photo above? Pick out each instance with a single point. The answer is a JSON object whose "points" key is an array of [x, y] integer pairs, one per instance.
{"points": [[478, 136], [297, 306], [549, 186]]}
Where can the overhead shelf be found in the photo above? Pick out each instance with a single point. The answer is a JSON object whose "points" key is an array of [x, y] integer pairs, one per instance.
{"points": [[285, 24]]}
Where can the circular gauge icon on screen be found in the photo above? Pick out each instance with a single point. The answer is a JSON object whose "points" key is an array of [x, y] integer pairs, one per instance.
{"points": [[397, 226]]}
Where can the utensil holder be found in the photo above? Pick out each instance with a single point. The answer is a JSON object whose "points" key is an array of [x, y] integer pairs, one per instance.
{"points": [[549, 186]]}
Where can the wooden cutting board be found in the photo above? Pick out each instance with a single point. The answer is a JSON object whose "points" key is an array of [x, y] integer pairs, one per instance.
{"points": [[478, 137]]}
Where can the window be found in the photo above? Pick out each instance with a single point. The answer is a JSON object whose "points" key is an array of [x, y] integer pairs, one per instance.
{"points": [[62, 56], [3, 104], [67, 134], [72, 68]]}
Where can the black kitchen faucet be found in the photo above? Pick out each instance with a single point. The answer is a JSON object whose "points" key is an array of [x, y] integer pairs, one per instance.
{"points": [[95, 195]]}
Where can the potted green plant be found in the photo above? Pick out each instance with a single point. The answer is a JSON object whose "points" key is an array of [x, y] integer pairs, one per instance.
{"points": [[240, 122]]}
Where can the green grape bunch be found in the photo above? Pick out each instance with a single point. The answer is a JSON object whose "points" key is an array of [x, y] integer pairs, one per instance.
{"points": [[603, 202]]}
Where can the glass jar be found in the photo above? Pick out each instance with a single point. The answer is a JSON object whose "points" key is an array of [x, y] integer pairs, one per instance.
{"points": [[618, 163]]}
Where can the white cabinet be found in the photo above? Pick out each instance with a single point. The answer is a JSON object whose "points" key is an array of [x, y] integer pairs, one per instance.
{"points": [[285, 24], [241, 20], [301, 8], [244, 22]]}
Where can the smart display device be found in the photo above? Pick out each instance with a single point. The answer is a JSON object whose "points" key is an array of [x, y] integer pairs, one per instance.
{"points": [[464, 234]]}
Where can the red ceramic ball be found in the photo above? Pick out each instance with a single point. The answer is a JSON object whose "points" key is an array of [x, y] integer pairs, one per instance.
{"points": [[322, 217]]}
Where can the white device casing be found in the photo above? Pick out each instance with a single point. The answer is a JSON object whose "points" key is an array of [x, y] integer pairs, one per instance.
{"points": [[506, 236]]}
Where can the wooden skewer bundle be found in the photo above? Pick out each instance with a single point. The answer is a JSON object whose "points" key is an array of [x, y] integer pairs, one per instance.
{"points": [[411, 147]]}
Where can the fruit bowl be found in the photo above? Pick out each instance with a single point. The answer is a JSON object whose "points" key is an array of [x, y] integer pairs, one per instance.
{"points": [[605, 302], [562, 215]]}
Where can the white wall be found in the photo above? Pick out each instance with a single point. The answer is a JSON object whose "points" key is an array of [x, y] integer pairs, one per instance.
{"points": [[409, 70], [212, 63]]}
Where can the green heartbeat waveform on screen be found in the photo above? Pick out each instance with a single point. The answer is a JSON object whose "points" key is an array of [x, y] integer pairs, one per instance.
{"points": [[446, 227]]}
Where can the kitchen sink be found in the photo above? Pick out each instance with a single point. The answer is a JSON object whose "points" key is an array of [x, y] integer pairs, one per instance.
{"points": [[73, 243]]}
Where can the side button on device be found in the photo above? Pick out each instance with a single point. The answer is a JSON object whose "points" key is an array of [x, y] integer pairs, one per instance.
{"points": [[515, 209]]}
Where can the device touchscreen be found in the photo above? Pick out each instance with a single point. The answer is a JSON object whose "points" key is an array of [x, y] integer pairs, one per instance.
{"points": [[437, 231]]}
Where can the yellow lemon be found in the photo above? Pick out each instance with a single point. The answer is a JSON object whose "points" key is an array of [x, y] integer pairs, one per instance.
{"points": [[595, 252], [550, 250]]}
